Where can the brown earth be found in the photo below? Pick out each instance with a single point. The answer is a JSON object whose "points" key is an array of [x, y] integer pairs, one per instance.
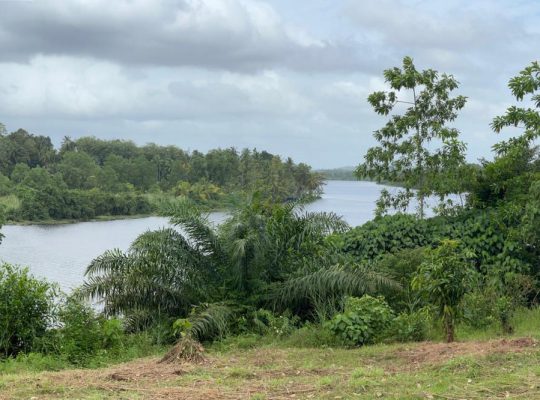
{"points": [[264, 373]]}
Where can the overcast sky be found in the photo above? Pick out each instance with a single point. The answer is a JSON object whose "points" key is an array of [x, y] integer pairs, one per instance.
{"points": [[288, 76]]}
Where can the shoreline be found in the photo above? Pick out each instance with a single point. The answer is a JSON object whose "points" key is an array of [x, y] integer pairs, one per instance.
{"points": [[101, 218]]}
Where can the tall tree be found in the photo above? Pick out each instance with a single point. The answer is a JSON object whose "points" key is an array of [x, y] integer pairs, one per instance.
{"points": [[526, 83], [416, 148]]}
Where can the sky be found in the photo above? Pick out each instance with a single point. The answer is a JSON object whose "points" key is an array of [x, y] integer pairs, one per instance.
{"points": [[287, 76]]}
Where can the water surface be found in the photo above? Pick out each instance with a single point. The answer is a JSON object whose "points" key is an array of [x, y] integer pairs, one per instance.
{"points": [[61, 253]]}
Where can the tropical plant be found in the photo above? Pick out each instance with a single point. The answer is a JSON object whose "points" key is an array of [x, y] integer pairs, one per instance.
{"points": [[363, 321], [528, 119], [26, 305], [444, 279], [407, 151], [264, 254], [388, 235]]}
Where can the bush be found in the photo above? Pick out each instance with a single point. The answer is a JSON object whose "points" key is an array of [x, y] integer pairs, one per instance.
{"points": [[81, 333], [363, 321], [25, 307], [314, 336], [265, 322], [410, 327], [388, 235], [478, 309]]}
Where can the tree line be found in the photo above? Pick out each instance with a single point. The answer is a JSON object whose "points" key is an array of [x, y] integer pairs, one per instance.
{"points": [[88, 177]]}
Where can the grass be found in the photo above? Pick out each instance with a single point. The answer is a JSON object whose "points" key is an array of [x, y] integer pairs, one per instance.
{"points": [[477, 367], [480, 371]]}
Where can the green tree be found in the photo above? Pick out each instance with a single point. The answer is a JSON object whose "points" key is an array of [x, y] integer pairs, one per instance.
{"points": [[407, 151], [444, 279], [258, 250], [528, 119], [79, 170]]}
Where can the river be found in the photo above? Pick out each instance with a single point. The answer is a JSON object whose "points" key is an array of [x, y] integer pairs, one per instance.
{"points": [[61, 253]]}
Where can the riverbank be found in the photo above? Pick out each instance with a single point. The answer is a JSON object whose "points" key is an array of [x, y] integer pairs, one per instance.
{"points": [[75, 221]]}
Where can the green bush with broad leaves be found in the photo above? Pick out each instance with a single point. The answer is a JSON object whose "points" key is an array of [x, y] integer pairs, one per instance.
{"points": [[26, 304], [388, 235], [363, 321]]}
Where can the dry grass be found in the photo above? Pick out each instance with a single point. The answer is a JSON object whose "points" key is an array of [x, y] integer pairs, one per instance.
{"points": [[470, 370]]}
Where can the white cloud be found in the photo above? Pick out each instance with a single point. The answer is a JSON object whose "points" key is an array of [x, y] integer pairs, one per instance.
{"points": [[239, 35], [85, 88]]}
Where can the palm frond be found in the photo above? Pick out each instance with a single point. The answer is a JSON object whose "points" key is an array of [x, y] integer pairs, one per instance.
{"points": [[331, 283], [210, 321], [196, 224]]}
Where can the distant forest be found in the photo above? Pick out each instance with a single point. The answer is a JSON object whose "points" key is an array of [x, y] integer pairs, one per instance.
{"points": [[89, 177], [339, 174]]}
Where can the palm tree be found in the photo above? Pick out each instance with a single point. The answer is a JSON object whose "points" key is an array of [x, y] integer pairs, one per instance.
{"points": [[263, 255]]}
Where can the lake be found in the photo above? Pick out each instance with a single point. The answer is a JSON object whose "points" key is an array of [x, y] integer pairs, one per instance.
{"points": [[61, 253]]}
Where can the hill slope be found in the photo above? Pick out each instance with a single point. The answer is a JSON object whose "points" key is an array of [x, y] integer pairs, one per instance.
{"points": [[501, 368]]}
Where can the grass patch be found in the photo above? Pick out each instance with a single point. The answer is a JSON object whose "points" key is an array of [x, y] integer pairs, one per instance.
{"points": [[254, 367]]}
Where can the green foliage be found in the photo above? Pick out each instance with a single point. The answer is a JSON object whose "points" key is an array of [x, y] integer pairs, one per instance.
{"points": [[225, 272], [526, 83], [363, 321], [444, 279], [265, 322], [388, 235], [314, 335], [478, 309], [407, 151], [530, 223], [402, 267], [89, 177], [25, 309], [410, 327], [82, 334]]}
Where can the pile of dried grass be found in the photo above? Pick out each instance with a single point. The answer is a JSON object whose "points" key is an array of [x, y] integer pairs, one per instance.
{"points": [[187, 349]]}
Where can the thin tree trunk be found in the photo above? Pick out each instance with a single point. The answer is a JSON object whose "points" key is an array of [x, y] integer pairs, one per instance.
{"points": [[419, 163], [449, 328]]}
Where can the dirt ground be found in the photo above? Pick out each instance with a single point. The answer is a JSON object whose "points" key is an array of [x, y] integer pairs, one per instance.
{"points": [[270, 373]]}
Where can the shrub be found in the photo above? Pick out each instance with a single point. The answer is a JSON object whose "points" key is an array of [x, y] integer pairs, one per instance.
{"points": [[388, 234], [363, 321], [25, 309], [314, 336], [402, 266], [445, 279], [478, 309], [267, 323], [82, 334], [410, 327]]}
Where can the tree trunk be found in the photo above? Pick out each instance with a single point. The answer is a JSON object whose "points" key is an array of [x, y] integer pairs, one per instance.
{"points": [[449, 328]]}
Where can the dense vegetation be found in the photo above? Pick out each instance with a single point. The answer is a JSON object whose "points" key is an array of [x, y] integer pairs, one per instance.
{"points": [[89, 177], [339, 174], [274, 269]]}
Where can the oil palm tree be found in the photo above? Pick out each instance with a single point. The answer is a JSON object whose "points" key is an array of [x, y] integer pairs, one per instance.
{"points": [[263, 255]]}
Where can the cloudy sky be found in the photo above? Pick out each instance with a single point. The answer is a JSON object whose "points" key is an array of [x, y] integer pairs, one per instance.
{"points": [[288, 76]]}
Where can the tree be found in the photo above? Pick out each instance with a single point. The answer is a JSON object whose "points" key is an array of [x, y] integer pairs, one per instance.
{"points": [[444, 278], [528, 119], [407, 151], [260, 250], [79, 170]]}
